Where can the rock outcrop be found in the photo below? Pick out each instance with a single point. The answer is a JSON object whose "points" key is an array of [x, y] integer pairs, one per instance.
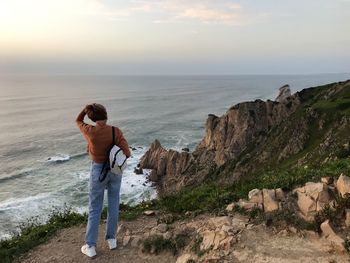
{"points": [[343, 185], [306, 201], [284, 93], [337, 243], [229, 135], [165, 162], [249, 135], [312, 198]]}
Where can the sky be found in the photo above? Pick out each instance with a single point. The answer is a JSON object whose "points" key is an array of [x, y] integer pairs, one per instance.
{"points": [[174, 37]]}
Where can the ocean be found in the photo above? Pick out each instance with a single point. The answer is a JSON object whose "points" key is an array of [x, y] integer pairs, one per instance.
{"points": [[44, 165]]}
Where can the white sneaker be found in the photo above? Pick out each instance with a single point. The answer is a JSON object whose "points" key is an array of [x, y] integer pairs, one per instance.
{"points": [[89, 251], [112, 243]]}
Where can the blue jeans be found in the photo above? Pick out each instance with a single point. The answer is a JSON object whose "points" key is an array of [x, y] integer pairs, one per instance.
{"points": [[112, 183]]}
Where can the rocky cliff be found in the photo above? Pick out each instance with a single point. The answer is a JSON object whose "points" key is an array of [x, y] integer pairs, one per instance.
{"points": [[309, 126]]}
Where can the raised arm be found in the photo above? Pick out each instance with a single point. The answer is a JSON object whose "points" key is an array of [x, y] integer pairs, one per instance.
{"points": [[122, 143], [84, 127]]}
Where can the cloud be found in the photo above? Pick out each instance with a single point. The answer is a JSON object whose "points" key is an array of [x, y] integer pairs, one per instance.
{"points": [[171, 11], [99, 8]]}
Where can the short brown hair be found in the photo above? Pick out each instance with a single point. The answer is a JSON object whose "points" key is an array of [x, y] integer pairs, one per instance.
{"points": [[96, 112]]}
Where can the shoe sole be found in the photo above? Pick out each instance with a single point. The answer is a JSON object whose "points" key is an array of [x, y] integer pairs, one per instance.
{"points": [[93, 257]]}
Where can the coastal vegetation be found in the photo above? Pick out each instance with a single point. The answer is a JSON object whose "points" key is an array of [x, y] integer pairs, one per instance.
{"points": [[310, 142], [205, 198]]}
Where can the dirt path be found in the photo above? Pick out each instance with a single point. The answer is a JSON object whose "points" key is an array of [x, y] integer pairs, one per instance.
{"points": [[253, 243]]}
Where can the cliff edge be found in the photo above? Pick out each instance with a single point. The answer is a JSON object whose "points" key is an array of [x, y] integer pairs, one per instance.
{"points": [[308, 127]]}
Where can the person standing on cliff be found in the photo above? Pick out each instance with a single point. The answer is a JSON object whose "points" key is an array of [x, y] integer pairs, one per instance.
{"points": [[100, 140]]}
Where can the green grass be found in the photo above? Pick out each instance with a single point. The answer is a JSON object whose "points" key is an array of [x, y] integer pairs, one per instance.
{"points": [[204, 198], [33, 233], [129, 213], [211, 197], [208, 197]]}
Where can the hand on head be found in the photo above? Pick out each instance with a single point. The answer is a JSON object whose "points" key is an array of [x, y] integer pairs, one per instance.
{"points": [[96, 112]]}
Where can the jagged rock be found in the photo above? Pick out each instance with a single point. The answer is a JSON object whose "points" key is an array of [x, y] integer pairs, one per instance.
{"points": [[343, 185], [256, 196], [153, 177], [270, 203], [327, 180], [246, 205], [230, 207], [226, 146], [219, 236], [284, 93], [149, 212], [312, 197], [226, 243], [164, 162], [138, 169], [279, 194], [228, 135], [227, 229], [336, 241], [208, 240], [185, 150]]}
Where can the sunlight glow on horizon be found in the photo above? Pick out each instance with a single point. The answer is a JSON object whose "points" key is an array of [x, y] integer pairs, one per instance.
{"points": [[220, 32]]}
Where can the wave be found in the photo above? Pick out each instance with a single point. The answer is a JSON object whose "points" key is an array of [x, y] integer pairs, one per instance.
{"points": [[15, 175], [61, 157], [15, 203]]}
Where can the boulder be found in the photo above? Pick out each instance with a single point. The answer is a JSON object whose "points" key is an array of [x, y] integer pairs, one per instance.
{"points": [[149, 212], [230, 207], [307, 206], [280, 195], [246, 205], [138, 169], [337, 243], [312, 197], [327, 180], [255, 196], [270, 203], [343, 185]]}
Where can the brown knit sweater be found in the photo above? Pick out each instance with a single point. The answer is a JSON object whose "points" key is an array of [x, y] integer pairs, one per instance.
{"points": [[99, 139]]}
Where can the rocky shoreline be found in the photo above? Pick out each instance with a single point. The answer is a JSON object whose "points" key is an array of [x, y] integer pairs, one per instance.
{"points": [[251, 136], [267, 183]]}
